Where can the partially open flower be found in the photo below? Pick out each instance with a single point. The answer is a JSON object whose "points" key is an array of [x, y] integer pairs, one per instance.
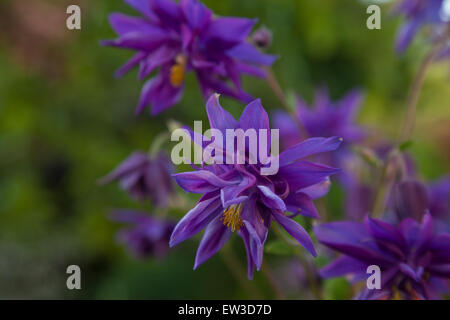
{"points": [[145, 177], [262, 38]]}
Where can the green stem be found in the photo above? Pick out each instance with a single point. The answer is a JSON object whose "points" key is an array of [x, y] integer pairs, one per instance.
{"points": [[267, 271], [309, 271], [274, 85], [238, 272], [416, 87], [408, 123]]}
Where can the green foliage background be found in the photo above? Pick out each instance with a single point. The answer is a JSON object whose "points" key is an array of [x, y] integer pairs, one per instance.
{"points": [[65, 121]]}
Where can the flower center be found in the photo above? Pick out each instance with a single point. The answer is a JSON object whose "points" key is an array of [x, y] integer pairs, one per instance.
{"points": [[177, 71], [232, 217]]}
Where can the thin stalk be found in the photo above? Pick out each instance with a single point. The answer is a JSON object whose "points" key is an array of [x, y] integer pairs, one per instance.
{"points": [[310, 277], [408, 123], [416, 87], [267, 271], [382, 187], [274, 85], [238, 272]]}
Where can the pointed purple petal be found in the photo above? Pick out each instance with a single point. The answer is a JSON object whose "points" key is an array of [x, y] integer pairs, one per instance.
{"points": [[342, 266], [254, 117], [295, 230], [303, 174], [214, 238], [300, 203], [247, 53], [309, 147], [201, 181], [218, 117], [195, 220], [197, 14], [270, 199]]}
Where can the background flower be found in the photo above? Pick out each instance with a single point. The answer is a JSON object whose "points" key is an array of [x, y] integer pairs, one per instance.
{"points": [[145, 236], [414, 259], [418, 14], [145, 177], [177, 38], [326, 118]]}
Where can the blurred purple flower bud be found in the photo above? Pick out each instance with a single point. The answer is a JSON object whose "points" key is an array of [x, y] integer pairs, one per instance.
{"points": [[147, 236], [144, 177], [262, 38]]}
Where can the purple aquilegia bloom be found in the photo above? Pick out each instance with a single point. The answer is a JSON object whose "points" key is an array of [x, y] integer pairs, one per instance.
{"points": [[359, 177], [421, 13], [147, 236], [439, 195], [414, 258], [145, 177], [177, 38], [325, 119], [237, 198]]}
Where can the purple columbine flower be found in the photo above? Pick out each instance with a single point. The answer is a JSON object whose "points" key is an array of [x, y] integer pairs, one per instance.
{"points": [[359, 187], [326, 118], [237, 198], [414, 258], [147, 236], [145, 177], [177, 38], [418, 14], [439, 195]]}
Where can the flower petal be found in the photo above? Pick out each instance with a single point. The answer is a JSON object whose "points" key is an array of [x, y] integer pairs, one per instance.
{"points": [[309, 147], [215, 236], [301, 203], [250, 263], [342, 266], [406, 34], [384, 231], [254, 117], [295, 230], [197, 14], [352, 239], [201, 181], [247, 53], [303, 174], [196, 219], [218, 117], [132, 163], [229, 31], [270, 199]]}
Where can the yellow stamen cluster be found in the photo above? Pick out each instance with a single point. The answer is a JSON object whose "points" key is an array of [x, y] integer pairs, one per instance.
{"points": [[178, 71], [232, 217]]}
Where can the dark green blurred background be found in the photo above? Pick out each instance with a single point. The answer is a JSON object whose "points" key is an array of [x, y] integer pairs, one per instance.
{"points": [[65, 121]]}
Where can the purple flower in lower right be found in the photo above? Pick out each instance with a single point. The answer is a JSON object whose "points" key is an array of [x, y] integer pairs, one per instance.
{"points": [[414, 258]]}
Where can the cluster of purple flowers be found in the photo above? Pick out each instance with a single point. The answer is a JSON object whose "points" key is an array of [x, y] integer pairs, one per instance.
{"points": [[145, 177], [411, 244], [177, 38]]}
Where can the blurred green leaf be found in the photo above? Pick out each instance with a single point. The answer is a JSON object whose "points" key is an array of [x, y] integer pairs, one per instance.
{"points": [[337, 289], [279, 247]]}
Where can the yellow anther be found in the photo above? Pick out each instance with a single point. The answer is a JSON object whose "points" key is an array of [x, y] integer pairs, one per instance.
{"points": [[232, 217], [178, 71]]}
